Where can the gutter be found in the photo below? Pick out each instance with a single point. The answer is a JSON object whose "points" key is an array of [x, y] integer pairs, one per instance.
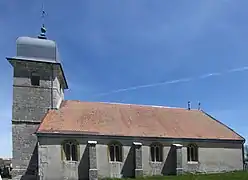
{"points": [[243, 156], [52, 79], [171, 139]]}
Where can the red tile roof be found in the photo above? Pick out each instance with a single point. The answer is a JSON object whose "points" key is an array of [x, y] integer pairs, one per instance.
{"points": [[133, 120]]}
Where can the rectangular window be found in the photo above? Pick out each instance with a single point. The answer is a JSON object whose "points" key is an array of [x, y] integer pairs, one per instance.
{"points": [[112, 153], [192, 155], [152, 154], [118, 153], [188, 154], [157, 154], [67, 152], [35, 80], [60, 88], [73, 152]]}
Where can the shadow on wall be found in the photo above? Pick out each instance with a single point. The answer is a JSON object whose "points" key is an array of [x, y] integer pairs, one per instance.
{"points": [[32, 169], [170, 163], [128, 169], [83, 167]]}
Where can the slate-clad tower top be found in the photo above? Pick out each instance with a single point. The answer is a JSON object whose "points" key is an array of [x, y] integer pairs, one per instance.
{"points": [[38, 49]]}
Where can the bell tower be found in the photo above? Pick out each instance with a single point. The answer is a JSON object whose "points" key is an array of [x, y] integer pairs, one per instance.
{"points": [[38, 85]]}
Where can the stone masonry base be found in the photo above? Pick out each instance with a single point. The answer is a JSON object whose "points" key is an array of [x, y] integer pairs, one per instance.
{"points": [[138, 172], [93, 174], [19, 174]]}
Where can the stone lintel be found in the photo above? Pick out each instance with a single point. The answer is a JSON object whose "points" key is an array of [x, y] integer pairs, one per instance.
{"points": [[18, 172], [137, 143], [93, 174], [178, 145], [92, 142]]}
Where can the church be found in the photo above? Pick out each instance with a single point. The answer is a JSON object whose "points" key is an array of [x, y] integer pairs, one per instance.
{"points": [[56, 139]]}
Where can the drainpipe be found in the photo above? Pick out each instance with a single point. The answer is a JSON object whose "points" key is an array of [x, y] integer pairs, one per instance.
{"points": [[243, 155], [52, 87]]}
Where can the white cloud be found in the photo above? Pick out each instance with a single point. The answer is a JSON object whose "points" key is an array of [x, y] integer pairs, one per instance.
{"points": [[245, 68]]}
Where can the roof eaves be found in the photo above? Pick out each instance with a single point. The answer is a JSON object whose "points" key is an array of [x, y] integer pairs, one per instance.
{"points": [[20, 58], [77, 133]]}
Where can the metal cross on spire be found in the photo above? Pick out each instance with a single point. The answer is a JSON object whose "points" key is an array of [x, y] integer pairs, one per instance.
{"points": [[43, 13], [43, 29]]}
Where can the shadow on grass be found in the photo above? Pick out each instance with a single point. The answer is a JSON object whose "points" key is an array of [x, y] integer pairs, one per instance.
{"points": [[238, 175]]}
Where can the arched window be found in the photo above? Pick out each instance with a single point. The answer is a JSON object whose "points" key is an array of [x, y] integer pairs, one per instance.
{"points": [[192, 152], [156, 151], [115, 152], [70, 151]]}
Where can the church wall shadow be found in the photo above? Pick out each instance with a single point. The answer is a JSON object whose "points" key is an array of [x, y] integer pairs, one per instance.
{"points": [[170, 163], [32, 169], [128, 169], [83, 167]]}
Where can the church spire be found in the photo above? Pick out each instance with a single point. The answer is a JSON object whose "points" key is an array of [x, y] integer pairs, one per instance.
{"points": [[43, 29]]}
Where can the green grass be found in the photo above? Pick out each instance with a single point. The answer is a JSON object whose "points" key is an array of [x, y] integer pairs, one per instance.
{"points": [[242, 175]]}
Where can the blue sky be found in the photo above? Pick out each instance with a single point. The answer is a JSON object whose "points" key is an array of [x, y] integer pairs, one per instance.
{"points": [[111, 45]]}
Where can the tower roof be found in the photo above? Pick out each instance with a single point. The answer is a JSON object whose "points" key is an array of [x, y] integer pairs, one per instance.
{"points": [[37, 49]]}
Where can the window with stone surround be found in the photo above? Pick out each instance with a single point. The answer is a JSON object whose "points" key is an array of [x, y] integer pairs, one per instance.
{"points": [[60, 87], [35, 79], [70, 150], [192, 153], [115, 152], [156, 152]]}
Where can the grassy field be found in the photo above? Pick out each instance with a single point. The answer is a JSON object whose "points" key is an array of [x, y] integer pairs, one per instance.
{"points": [[223, 176]]}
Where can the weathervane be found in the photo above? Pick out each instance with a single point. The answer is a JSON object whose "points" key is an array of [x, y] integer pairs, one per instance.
{"points": [[43, 29]]}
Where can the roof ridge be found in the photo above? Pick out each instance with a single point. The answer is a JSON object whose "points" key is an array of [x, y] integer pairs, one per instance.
{"points": [[130, 104]]}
